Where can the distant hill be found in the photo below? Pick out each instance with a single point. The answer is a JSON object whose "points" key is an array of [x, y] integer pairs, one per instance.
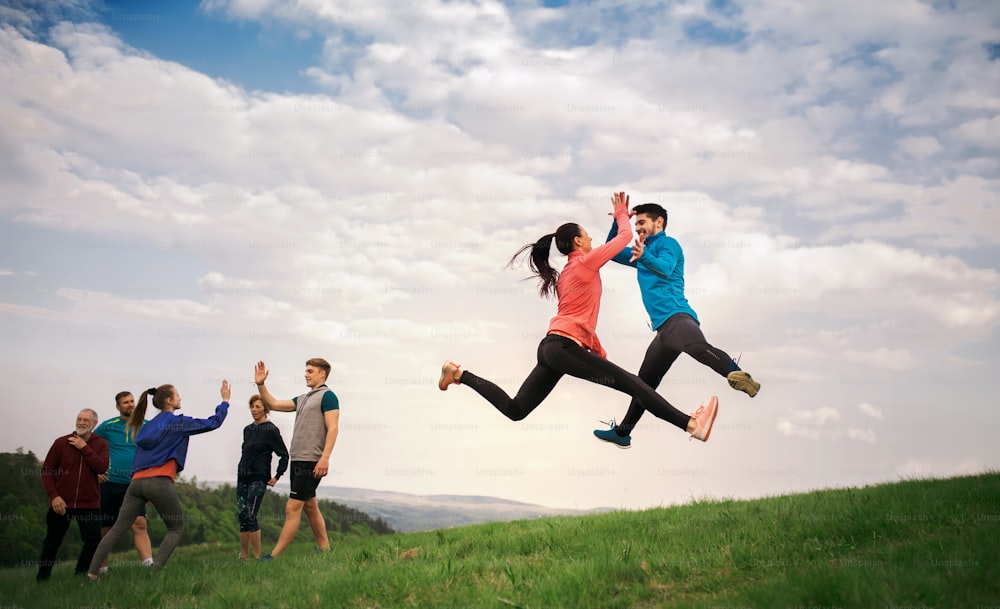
{"points": [[406, 512]]}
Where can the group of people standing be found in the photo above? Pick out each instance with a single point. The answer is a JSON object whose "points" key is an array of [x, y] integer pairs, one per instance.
{"points": [[102, 476]]}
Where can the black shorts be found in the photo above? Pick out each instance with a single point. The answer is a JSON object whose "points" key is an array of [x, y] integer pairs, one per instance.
{"points": [[112, 496], [302, 480]]}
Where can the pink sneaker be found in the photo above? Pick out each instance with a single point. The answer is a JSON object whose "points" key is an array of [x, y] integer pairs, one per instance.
{"points": [[705, 417], [449, 374]]}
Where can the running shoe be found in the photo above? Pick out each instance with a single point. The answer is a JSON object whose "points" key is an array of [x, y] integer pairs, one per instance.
{"points": [[704, 417], [449, 370], [742, 381], [611, 435]]}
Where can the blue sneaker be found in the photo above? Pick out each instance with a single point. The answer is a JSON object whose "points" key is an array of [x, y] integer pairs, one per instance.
{"points": [[611, 435], [266, 557]]}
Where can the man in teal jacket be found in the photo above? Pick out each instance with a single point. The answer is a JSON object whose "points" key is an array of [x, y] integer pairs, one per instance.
{"points": [[115, 483], [659, 262]]}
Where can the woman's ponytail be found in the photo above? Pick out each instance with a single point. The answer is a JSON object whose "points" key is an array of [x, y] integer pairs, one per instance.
{"points": [[159, 395], [538, 260]]}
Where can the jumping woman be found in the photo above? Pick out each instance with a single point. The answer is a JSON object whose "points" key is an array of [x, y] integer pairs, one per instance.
{"points": [[161, 449], [571, 345]]}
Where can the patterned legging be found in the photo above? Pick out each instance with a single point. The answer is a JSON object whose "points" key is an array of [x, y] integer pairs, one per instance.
{"points": [[248, 498]]}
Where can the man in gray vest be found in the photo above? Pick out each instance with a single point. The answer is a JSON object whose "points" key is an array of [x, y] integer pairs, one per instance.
{"points": [[317, 421]]}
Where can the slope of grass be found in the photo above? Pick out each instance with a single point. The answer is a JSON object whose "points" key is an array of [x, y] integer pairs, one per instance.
{"points": [[917, 543]]}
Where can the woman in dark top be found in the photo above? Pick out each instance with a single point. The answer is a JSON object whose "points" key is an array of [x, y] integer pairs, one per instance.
{"points": [[260, 439]]}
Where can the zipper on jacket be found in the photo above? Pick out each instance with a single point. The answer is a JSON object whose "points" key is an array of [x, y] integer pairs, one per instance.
{"points": [[79, 476]]}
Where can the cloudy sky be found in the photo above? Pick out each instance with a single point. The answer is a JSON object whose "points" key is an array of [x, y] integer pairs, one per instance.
{"points": [[189, 187]]}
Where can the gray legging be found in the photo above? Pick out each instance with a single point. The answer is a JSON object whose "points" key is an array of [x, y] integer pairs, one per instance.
{"points": [[558, 356], [160, 491]]}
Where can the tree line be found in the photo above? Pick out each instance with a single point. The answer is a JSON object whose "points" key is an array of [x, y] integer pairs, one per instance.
{"points": [[209, 515]]}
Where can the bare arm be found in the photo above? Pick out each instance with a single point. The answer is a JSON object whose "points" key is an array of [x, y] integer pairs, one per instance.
{"points": [[259, 376], [332, 420]]}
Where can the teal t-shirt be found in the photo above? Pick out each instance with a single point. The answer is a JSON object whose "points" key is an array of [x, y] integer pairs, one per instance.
{"points": [[122, 447], [330, 402]]}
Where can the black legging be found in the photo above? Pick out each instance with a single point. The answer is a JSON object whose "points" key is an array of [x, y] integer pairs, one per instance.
{"points": [[557, 356], [679, 334]]}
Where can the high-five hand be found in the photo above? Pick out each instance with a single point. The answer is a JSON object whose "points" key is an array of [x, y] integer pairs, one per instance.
{"points": [[619, 199], [260, 373], [226, 390], [638, 248]]}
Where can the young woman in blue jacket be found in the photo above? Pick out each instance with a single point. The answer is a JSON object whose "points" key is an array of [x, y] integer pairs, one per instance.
{"points": [[161, 449]]}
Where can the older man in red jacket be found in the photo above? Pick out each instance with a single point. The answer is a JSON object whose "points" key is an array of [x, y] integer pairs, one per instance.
{"points": [[69, 475]]}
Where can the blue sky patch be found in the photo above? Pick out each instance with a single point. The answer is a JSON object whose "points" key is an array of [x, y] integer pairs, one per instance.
{"points": [[706, 32], [269, 58]]}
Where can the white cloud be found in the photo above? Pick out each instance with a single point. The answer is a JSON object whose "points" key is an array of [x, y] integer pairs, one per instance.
{"points": [[981, 132], [870, 410], [861, 435], [920, 147], [811, 424], [818, 417], [885, 358]]}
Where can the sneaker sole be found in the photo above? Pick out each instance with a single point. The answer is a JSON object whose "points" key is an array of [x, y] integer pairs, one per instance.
{"points": [[445, 379], [749, 387], [600, 439]]}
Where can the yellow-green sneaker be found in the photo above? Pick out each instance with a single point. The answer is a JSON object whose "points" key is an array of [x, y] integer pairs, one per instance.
{"points": [[742, 381]]}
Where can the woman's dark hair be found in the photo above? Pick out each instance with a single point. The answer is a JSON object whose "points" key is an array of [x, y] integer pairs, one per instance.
{"points": [[538, 260], [160, 395]]}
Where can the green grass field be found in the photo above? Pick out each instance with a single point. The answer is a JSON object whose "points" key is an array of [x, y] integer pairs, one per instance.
{"points": [[913, 544]]}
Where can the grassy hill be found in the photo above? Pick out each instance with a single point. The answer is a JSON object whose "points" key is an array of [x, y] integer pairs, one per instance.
{"points": [[916, 543]]}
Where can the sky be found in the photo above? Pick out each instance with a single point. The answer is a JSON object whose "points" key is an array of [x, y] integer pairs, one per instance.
{"points": [[190, 187]]}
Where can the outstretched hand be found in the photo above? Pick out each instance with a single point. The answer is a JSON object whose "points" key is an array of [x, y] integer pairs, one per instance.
{"points": [[619, 199], [226, 390], [638, 248], [260, 373]]}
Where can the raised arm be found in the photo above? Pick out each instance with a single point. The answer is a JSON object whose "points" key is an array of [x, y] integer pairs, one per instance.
{"points": [[624, 256], [192, 426], [259, 376], [599, 256]]}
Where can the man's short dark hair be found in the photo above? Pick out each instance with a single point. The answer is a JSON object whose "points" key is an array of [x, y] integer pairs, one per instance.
{"points": [[653, 210], [120, 395]]}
